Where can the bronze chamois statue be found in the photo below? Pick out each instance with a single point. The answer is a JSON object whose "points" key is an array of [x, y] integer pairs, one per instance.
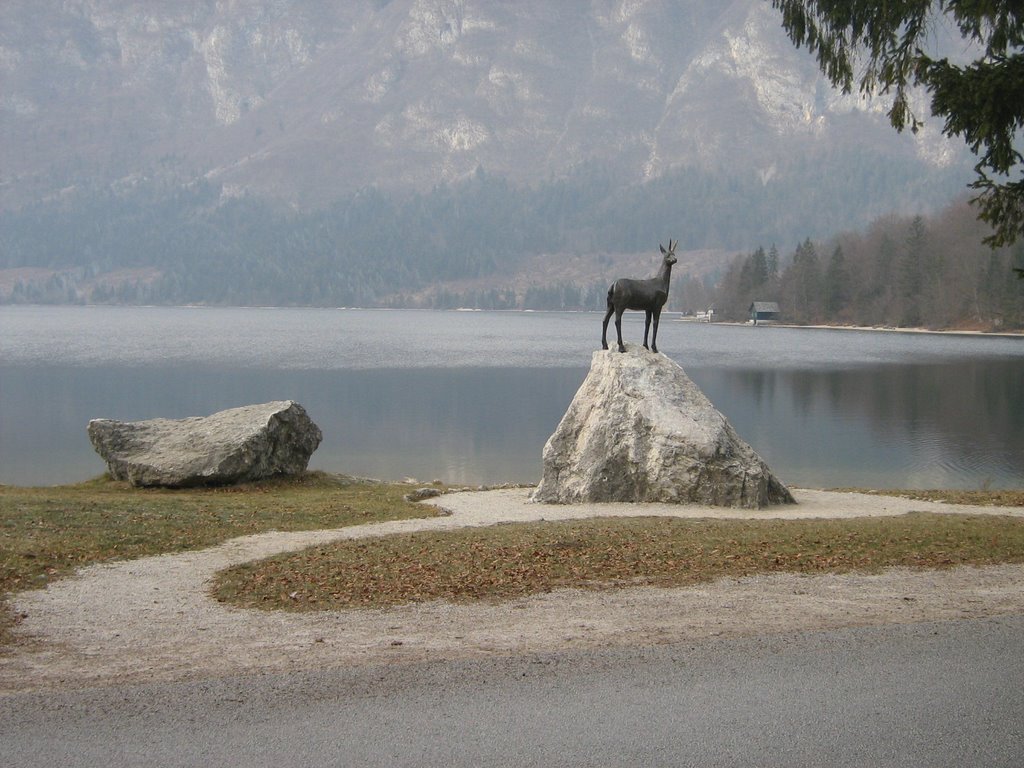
{"points": [[649, 295]]}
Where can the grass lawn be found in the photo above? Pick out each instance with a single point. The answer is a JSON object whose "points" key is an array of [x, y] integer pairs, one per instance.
{"points": [[508, 561], [47, 532]]}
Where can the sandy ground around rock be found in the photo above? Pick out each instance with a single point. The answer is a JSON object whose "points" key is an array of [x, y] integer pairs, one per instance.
{"points": [[152, 619]]}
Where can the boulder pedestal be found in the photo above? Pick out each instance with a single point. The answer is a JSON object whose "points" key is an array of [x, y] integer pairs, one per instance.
{"points": [[232, 446], [639, 430]]}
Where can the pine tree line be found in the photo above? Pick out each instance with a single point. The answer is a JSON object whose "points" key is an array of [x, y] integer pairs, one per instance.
{"points": [[902, 272]]}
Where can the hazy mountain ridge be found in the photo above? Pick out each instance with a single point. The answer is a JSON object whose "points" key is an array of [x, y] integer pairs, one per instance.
{"points": [[432, 152], [309, 100]]}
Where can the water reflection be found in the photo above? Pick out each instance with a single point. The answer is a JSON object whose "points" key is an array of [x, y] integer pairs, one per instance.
{"points": [[935, 425], [928, 425], [472, 397], [461, 425]]}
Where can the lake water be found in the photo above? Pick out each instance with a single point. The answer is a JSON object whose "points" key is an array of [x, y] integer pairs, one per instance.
{"points": [[471, 397]]}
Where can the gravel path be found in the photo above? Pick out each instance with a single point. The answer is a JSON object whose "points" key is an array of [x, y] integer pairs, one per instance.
{"points": [[152, 618]]}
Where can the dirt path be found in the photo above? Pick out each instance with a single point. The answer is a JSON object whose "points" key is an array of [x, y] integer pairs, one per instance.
{"points": [[152, 618]]}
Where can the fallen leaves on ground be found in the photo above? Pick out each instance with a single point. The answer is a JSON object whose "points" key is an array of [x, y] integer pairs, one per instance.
{"points": [[508, 561]]}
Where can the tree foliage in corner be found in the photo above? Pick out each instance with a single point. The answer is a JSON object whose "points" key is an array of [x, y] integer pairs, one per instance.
{"points": [[982, 102]]}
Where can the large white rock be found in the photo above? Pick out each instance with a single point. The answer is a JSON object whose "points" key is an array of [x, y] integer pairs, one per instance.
{"points": [[236, 445], [640, 430]]}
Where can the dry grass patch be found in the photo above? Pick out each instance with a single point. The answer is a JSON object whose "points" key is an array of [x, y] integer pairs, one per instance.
{"points": [[1000, 498], [509, 561], [47, 532]]}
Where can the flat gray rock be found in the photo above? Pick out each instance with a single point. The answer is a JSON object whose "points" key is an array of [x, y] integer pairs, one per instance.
{"points": [[232, 446], [639, 430]]}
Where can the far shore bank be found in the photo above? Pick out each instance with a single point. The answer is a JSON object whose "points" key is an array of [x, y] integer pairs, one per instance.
{"points": [[881, 328]]}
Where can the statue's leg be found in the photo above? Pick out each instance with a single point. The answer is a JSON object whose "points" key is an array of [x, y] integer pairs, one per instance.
{"points": [[618, 329], [654, 337], [604, 326], [647, 326]]}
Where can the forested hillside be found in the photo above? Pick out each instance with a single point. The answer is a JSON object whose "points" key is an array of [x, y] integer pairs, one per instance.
{"points": [[148, 242], [429, 153], [901, 272]]}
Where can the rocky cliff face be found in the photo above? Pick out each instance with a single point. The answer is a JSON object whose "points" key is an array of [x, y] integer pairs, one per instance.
{"points": [[305, 100]]}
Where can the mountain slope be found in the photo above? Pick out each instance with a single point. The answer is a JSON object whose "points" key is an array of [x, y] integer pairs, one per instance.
{"points": [[428, 152], [307, 101]]}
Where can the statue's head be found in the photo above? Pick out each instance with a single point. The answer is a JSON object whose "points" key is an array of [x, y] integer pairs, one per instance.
{"points": [[670, 254]]}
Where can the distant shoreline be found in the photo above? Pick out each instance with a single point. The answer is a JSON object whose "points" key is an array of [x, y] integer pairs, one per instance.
{"points": [[879, 328], [947, 332]]}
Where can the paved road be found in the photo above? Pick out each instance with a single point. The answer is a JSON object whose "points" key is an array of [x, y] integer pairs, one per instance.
{"points": [[945, 694]]}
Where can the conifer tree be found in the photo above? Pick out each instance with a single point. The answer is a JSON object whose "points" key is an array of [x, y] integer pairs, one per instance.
{"points": [[837, 285], [889, 44], [759, 267], [911, 274], [773, 262], [805, 283]]}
